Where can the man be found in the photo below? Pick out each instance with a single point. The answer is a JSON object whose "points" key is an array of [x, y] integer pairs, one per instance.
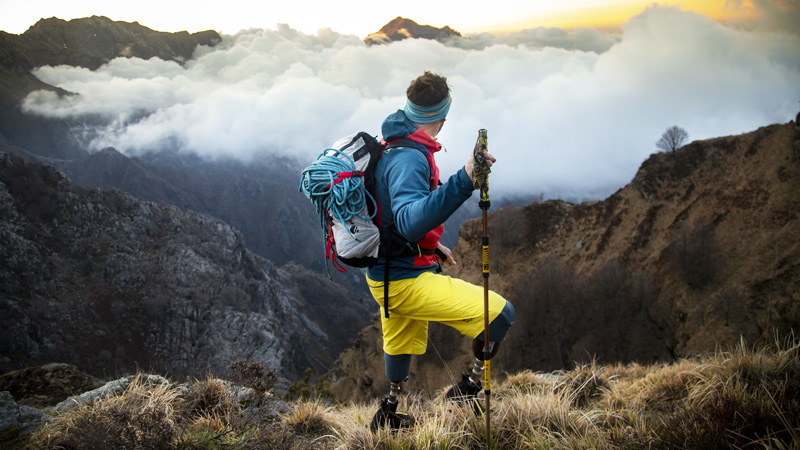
{"points": [[414, 205]]}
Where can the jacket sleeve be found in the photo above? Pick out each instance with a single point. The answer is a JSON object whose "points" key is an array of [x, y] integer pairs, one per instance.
{"points": [[415, 209]]}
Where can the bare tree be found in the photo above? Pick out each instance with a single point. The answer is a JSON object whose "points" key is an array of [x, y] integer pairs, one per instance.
{"points": [[672, 139]]}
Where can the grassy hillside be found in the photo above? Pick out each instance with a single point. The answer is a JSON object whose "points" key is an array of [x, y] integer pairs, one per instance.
{"points": [[739, 398]]}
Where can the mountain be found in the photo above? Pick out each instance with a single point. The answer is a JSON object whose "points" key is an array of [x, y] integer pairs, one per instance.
{"points": [[401, 28], [700, 250], [108, 282], [88, 42], [93, 41]]}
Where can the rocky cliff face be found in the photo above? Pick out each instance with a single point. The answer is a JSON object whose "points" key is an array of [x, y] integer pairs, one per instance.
{"points": [[99, 279], [401, 28], [259, 199], [700, 250]]}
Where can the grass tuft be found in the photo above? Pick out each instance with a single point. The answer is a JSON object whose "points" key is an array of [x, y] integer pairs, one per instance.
{"points": [[310, 417], [583, 384]]}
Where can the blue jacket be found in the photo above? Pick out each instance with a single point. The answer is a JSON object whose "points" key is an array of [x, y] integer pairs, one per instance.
{"points": [[407, 191]]}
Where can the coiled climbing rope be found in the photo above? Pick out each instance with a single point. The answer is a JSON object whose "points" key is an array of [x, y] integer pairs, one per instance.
{"points": [[335, 187]]}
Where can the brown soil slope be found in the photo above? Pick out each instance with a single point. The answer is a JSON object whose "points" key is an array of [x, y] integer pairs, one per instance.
{"points": [[701, 249]]}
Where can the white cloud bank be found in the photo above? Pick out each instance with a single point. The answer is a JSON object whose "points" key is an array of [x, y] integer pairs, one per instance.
{"points": [[571, 115]]}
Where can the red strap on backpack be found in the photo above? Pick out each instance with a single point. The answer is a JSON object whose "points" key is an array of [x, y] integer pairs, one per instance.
{"points": [[345, 175], [329, 253]]}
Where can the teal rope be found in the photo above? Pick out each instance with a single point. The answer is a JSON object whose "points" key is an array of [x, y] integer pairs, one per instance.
{"points": [[344, 200]]}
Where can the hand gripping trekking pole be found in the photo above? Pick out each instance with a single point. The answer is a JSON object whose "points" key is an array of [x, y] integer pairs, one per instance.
{"points": [[480, 177]]}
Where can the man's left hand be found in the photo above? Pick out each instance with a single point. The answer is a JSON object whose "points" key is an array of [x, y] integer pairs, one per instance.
{"points": [[447, 253]]}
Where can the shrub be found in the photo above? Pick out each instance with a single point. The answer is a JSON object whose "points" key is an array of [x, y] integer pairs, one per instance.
{"points": [[254, 375]]}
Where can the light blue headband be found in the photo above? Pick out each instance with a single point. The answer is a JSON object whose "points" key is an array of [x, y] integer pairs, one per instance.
{"points": [[428, 114]]}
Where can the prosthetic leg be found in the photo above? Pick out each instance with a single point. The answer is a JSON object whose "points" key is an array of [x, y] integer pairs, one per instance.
{"points": [[387, 414], [470, 386]]}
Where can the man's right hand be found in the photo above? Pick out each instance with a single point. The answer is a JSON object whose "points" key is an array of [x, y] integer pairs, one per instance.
{"points": [[470, 165]]}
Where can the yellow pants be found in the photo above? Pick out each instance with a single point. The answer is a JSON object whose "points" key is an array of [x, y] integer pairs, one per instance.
{"points": [[430, 297]]}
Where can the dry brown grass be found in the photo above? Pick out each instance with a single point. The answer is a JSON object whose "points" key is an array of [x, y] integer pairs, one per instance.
{"points": [[739, 398], [730, 399], [203, 415], [142, 417], [309, 417]]}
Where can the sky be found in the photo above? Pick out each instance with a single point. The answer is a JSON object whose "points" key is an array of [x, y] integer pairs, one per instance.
{"points": [[359, 17], [571, 113]]}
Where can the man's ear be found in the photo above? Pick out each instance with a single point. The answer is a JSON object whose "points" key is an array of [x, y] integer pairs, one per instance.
{"points": [[441, 125]]}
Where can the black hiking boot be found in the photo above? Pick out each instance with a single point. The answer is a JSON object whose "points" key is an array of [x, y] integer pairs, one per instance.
{"points": [[387, 415], [466, 392]]}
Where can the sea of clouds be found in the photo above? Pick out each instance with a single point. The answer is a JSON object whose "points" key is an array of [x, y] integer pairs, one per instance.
{"points": [[569, 114]]}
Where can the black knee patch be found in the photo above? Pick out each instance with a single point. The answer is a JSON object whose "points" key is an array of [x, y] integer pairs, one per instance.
{"points": [[477, 348]]}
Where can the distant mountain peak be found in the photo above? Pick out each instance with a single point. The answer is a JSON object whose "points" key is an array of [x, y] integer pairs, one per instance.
{"points": [[401, 28]]}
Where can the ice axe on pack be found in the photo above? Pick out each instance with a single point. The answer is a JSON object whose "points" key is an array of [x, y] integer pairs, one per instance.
{"points": [[480, 180]]}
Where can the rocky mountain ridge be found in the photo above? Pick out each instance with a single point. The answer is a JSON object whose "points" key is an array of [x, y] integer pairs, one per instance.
{"points": [[102, 280], [401, 28], [701, 250], [93, 41]]}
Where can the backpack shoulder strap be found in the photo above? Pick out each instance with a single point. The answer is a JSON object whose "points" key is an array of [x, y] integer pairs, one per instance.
{"points": [[398, 143]]}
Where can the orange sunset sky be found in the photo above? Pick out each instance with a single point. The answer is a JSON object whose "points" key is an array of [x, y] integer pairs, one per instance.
{"points": [[610, 15]]}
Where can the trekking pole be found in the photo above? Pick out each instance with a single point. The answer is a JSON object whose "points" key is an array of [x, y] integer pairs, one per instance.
{"points": [[482, 182]]}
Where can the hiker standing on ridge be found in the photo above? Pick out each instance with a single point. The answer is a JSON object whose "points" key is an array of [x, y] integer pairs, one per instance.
{"points": [[414, 206]]}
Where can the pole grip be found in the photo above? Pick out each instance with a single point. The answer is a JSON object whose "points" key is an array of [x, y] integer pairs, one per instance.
{"points": [[481, 169]]}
